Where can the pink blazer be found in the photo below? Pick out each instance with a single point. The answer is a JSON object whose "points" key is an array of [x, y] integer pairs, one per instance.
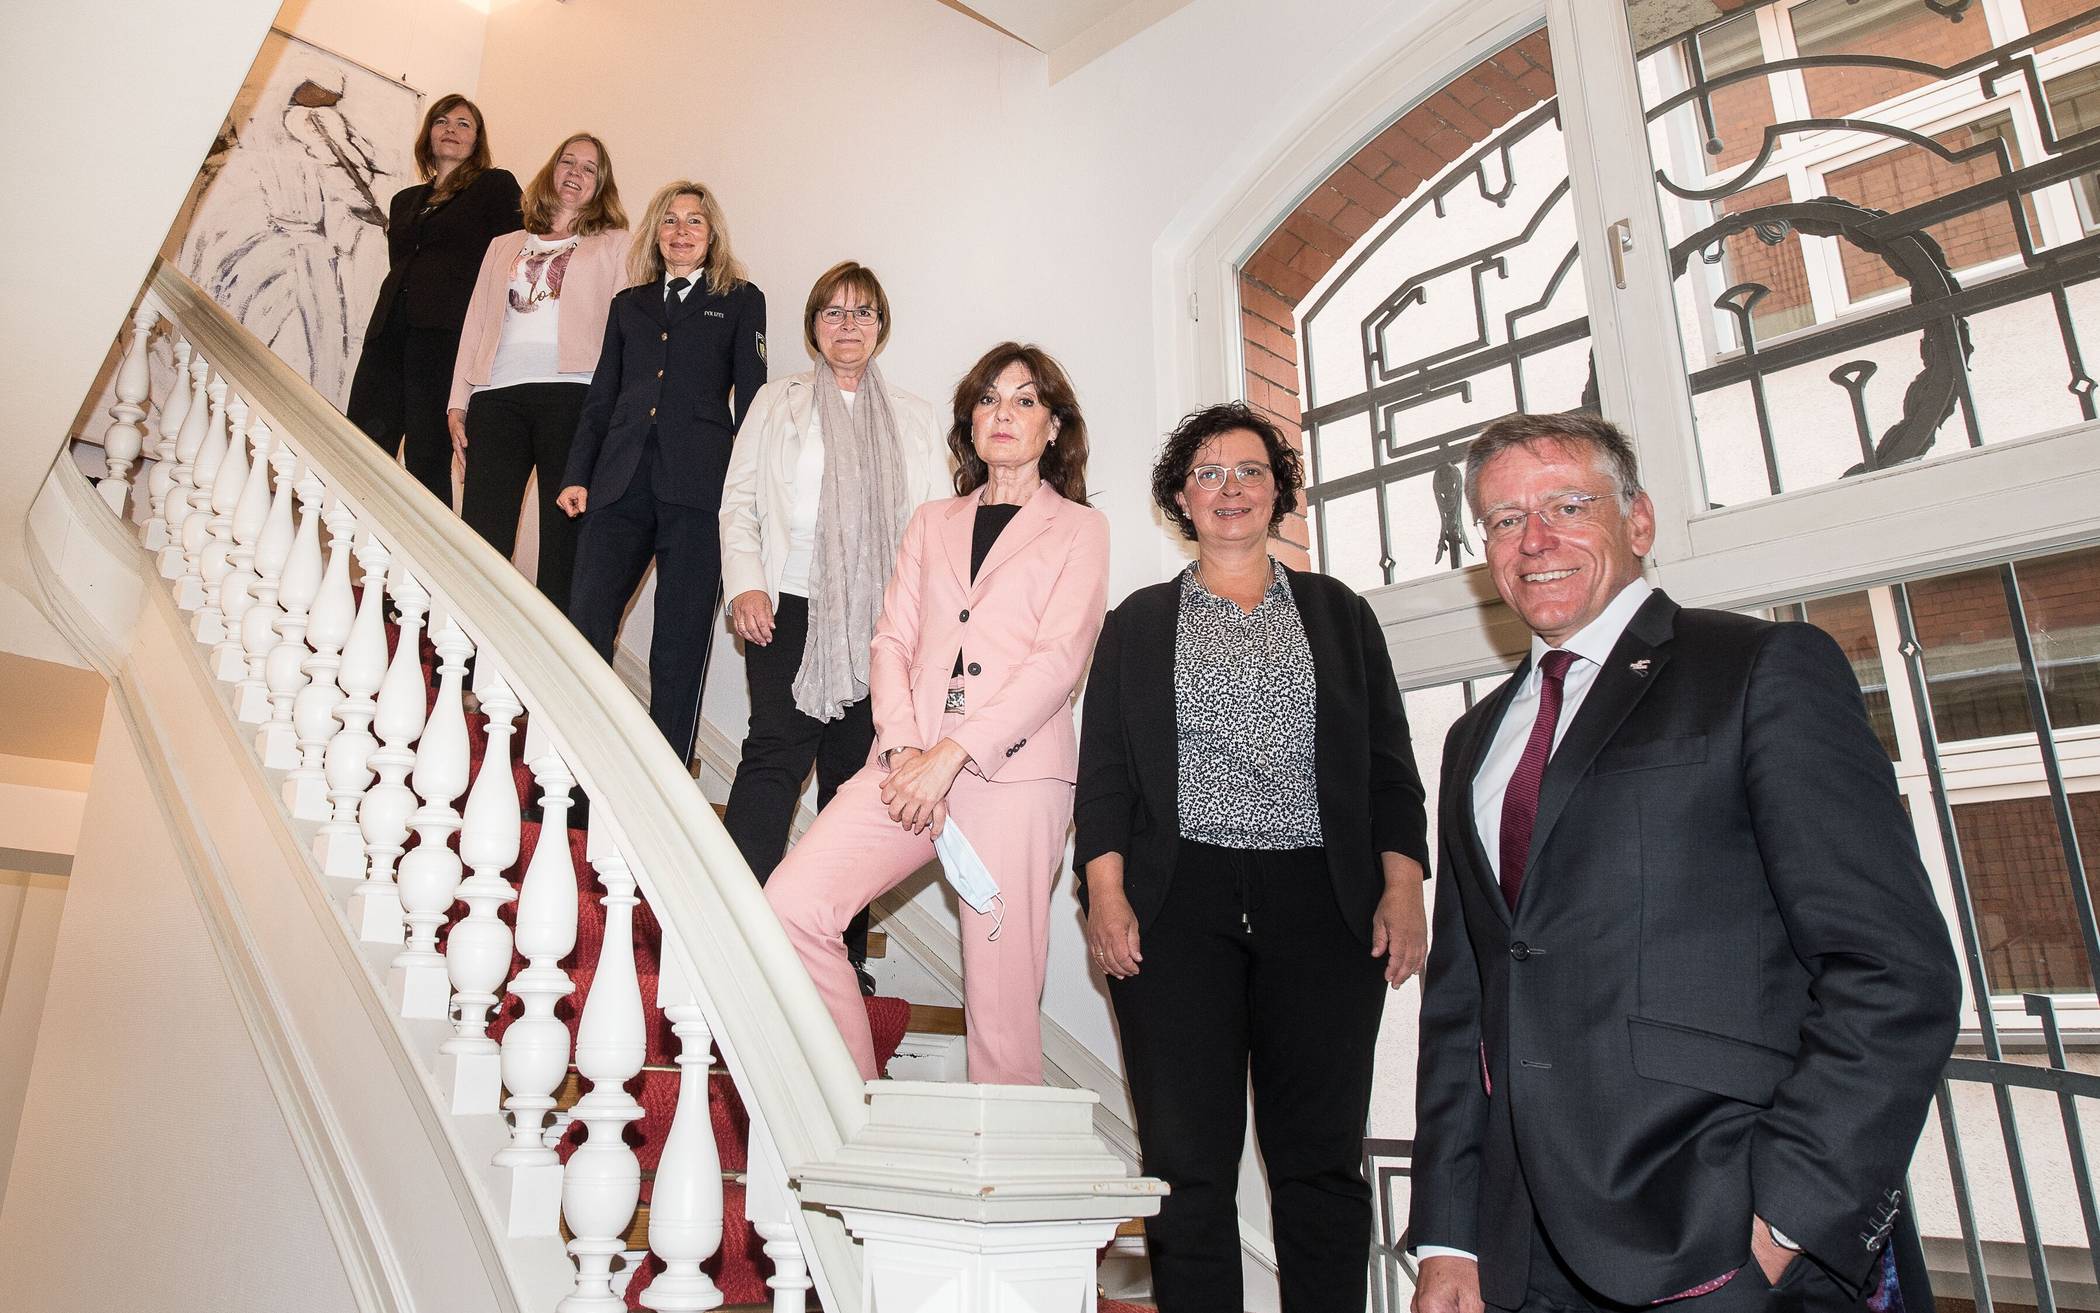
{"points": [[596, 271], [1025, 629]]}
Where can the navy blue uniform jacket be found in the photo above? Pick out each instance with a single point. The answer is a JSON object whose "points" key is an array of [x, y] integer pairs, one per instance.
{"points": [[673, 368]]}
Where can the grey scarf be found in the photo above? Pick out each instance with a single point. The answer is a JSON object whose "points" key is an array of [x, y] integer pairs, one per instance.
{"points": [[861, 512]]}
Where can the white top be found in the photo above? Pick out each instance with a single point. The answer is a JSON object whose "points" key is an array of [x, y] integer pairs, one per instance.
{"points": [[528, 350], [692, 280], [804, 494], [1592, 645]]}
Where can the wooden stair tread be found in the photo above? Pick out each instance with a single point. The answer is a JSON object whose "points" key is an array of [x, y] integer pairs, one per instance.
{"points": [[928, 1019]]}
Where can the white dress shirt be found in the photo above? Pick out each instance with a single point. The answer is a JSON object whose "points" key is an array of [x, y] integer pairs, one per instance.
{"points": [[1592, 645], [692, 280], [808, 492]]}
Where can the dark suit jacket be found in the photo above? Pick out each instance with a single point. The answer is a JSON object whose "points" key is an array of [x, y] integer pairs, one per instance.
{"points": [[1726, 988], [433, 259], [1128, 798], [670, 367]]}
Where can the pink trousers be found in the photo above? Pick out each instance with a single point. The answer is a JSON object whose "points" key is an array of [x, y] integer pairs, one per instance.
{"points": [[855, 852]]}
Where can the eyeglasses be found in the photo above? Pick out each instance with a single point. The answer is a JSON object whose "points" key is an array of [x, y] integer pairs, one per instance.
{"points": [[836, 315], [1569, 511], [1251, 475]]}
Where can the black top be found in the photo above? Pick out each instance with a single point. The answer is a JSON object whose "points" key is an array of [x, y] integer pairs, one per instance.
{"points": [[686, 370], [434, 251], [991, 521], [1128, 800]]}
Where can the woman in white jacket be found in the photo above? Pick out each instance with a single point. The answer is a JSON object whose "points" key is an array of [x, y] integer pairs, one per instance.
{"points": [[826, 471]]}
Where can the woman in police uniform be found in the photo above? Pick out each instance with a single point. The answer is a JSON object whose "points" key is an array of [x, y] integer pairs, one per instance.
{"points": [[684, 354]]}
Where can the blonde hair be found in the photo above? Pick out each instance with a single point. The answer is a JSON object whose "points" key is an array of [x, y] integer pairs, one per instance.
{"points": [[602, 212], [645, 259]]}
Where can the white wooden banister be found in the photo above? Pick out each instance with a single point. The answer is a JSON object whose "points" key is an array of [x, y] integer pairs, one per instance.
{"points": [[173, 409]]}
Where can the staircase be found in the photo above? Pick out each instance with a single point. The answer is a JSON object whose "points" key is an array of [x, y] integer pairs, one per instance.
{"points": [[550, 999]]}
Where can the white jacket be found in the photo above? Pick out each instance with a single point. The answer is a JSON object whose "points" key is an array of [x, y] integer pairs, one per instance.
{"points": [[758, 494]]}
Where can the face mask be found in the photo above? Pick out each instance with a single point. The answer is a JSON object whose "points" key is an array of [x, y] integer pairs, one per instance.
{"points": [[965, 871]]}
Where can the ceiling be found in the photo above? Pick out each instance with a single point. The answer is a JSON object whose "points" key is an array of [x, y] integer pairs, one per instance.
{"points": [[1071, 32]]}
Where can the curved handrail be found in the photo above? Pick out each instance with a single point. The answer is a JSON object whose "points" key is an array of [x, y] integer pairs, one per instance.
{"points": [[791, 1065]]}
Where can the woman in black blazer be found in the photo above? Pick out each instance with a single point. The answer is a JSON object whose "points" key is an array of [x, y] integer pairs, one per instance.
{"points": [[1251, 828], [436, 234], [684, 354]]}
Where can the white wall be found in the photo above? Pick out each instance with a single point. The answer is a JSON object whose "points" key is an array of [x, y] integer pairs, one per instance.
{"points": [[432, 45], [993, 203], [152, 1154]]}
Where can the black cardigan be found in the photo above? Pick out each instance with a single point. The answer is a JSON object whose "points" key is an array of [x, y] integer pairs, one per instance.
{"points": [[1371, 798], [434, 259]]}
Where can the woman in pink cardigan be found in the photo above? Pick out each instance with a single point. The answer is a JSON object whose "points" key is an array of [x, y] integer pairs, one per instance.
{"points": [[987, 624], [528, 347]]}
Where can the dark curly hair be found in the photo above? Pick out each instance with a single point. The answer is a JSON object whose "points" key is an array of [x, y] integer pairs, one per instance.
{"points": [[1063, 465], [1170, 473]]}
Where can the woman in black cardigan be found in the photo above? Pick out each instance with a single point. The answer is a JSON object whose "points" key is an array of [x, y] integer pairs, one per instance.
{"points": [[436, 234], [1251, 828]]}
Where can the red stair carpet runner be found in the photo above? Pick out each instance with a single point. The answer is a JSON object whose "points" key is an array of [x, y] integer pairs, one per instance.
{"points": [[739, 1269]]}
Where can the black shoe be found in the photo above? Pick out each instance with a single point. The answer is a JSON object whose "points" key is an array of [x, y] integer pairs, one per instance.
{"points": [[867, 982]]}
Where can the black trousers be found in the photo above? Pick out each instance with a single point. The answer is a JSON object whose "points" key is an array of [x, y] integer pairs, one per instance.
{"points": [[1250, 966], [398, 396], [613, 552], [780, 746], [511, 433]]}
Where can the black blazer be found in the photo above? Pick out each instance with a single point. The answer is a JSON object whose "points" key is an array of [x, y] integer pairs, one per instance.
{"points": [[671, 367], [1128, 796], [1726, 988], [434, 258]]}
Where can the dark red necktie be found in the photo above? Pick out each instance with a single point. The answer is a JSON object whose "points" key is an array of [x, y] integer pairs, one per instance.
{"points": [[1520, 806]]}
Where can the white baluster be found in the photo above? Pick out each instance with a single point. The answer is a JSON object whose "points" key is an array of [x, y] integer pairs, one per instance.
{"points": [[340, 846], [173, 409], [327, 629], [125, 438], [770, 1207], [208, 531], [251, 512], [536, 1046], [430, 872], [175, 558], [278, 743], [382, 816], [685, 1207], [477, 956], [602, 1182], [273, 551]]}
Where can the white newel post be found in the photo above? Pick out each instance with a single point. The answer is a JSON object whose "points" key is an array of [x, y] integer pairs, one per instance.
{"points": [[477, 956], [173, 409], [273, 551], [175, 557], [382, 814], [124, 439], [251, 511], [346, 765], [536, 1046], [284, 672], [430, 873], [603, 1180], [771, 1207], [327, 629], [685, 1207], [978, 1198], [227, 454]]}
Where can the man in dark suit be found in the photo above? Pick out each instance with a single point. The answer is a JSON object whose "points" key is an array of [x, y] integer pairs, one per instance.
{"points": [[1688, 990]]}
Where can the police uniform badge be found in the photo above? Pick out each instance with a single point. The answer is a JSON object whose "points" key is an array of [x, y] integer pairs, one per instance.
{"points": [[761, 348]]}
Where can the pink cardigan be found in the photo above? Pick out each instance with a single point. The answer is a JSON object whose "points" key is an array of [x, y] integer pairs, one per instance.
{"points": [[1026, 626], [596, 271]]}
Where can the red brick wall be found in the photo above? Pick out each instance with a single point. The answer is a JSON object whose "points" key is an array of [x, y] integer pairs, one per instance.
{"points": [[1367, 187], [1910, 31], [1909, 174], [2022, 890]]}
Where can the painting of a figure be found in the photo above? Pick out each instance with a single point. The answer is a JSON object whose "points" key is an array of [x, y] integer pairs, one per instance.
{"points": [[286, 226]]}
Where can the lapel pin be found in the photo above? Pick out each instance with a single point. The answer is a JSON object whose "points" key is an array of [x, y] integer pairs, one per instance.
{"points": [[1639, 667]]}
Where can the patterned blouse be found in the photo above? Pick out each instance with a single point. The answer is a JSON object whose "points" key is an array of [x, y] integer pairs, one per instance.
{"points": [[1243, 701]]}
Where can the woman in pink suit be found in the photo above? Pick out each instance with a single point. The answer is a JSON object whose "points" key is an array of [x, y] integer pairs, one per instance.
{"points": [[987, 625]]}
